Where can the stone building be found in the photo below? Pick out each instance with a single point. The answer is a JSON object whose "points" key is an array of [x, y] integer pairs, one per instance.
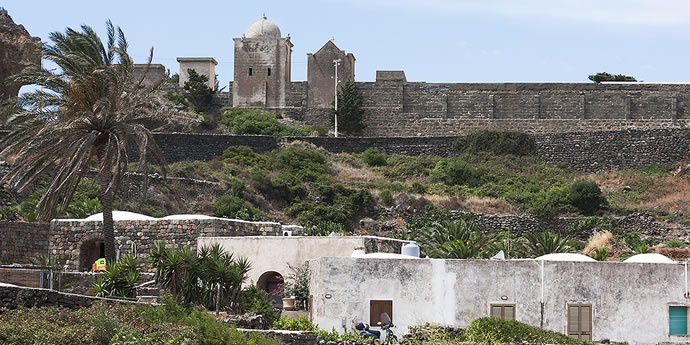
{"points": [[262, 66], [321, 72]]}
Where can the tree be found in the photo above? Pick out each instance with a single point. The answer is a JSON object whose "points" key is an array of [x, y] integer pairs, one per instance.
{"points": [[197, 91], [86, 115], [603, 76], [586, 196], [350, 113]]}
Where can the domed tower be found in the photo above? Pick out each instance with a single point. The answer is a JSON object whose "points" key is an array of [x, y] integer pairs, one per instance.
{"points": [[262, 66]]}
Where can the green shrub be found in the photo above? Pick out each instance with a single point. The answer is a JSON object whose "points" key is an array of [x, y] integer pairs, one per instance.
{"points": [[418, 188], [237, 187], [310, 214], [586, 196], [373, 157], [453, 172], [301, 323], [600, 254], [104, 327], [308, 165], [497, 142], [119, 280], [176, 97], [386, 196], [491, 330], [244, 155], [674, 244], [604, 76], [551, 203], [256, 122], [255, 301], [229, 206]]}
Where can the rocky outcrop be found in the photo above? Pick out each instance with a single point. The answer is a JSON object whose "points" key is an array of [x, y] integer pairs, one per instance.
{"points": [[18, 50]]}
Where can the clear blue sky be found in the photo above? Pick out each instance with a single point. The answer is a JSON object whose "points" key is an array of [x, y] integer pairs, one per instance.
{"points": [[431, 40]]}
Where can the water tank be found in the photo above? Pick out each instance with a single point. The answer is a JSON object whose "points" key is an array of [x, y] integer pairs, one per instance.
{"points": [[410, 249]]}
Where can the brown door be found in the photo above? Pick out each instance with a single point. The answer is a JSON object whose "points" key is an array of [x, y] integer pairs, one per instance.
{"points": [[580, 321]]}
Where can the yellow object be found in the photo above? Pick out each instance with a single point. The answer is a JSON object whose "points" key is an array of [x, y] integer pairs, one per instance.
{"points": [[99, 265]]}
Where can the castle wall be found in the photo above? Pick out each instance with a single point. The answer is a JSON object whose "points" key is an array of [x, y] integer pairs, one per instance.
{"points": [[321, 71]]}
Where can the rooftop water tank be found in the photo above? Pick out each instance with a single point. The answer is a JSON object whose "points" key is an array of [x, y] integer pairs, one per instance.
{"points": [[410, 249]]}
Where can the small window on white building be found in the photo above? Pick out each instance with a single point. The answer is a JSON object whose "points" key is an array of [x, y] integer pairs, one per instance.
{"points": [[503, 311], [269, 71], [250, 71]]}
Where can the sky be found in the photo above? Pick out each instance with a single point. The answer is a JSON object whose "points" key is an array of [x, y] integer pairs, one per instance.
{"points": [[431, 40]]}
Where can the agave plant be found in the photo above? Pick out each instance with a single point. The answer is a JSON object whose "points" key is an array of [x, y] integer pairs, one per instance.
{"points": [[459, 239], [119, 280], [542, 243]]}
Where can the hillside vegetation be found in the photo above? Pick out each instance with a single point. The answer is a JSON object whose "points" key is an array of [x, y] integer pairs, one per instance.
{"points": [[492, 173]]}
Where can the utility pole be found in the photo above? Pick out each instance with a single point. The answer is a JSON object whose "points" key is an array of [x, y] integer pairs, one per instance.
{"points": [[336, 63]]}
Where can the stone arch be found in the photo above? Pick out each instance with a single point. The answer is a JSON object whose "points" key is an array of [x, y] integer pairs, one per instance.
{"points": [[268, 281], [91, 249]]}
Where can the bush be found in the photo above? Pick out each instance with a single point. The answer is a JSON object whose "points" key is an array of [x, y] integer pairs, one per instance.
{"points": [[229, 206], [674, 244], [325, 229], [491, 330], [586, 196], [497, 142], [119, 280], [244, 155], [373, 157], [310, 214], [551, 203], [256, 122], [299, 324], [386, 196], [255, 301], [308, 165], [453, 172], [603, 76]]}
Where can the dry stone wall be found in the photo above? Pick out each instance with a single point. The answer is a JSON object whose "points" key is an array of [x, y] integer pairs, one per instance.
{"points": [[15, 297], [20, 241], [136, 237]]}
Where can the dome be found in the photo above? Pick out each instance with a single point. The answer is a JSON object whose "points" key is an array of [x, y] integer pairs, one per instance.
{"points": [[649, 258], [263, 28], [565, 257]]}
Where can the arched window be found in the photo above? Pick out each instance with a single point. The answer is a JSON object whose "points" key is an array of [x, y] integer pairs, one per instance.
{"points": [[269, 282]]}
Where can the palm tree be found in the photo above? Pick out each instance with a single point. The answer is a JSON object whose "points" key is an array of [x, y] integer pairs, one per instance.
{"points": [[84, 116]]}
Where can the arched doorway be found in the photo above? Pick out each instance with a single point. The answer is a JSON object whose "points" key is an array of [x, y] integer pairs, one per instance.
{"points": [[269, 282], [89, 252]]}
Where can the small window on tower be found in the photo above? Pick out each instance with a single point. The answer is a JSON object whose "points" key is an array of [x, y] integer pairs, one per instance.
{"points": [[250, 71], [269, 71]]}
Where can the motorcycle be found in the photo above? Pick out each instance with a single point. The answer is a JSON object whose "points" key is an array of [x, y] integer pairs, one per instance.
{"points": [[374, 335]]}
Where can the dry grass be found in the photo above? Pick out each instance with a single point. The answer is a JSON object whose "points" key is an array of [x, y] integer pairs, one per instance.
{"points": [[485, 205], [599, 240], [673, 253], [666, 192], [345, 172]]}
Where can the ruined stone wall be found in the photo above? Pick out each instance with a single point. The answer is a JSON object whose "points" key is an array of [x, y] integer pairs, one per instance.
{"points": [[20, 241], [14, 297], [137, 236], [413, 146]]}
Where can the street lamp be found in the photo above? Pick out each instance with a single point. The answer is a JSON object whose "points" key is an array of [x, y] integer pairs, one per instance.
{"points": [[336, 63]]}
